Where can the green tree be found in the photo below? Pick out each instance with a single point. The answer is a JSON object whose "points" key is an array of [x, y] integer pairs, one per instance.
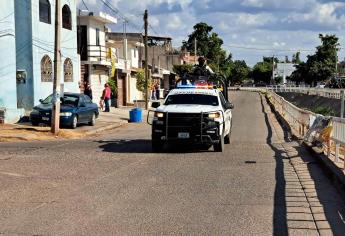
{"points": [[201, 34], [239, 72], [182, 69], [296, 58], [113, 86], [141, 82], [209, 45], [262, 71], [321, 65]]}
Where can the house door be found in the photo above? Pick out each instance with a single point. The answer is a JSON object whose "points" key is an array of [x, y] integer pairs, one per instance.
{"points": [[121, 91], [82, 40]]}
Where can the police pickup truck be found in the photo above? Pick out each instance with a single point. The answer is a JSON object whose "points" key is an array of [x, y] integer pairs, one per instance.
{"points": [[192, 115]]}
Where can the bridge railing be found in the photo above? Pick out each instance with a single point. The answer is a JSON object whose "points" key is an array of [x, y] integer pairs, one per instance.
{"points": [[322, 92], [301, 121]]}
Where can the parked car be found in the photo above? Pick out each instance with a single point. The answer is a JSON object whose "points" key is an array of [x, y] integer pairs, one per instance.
{"points": [[75, 109]]}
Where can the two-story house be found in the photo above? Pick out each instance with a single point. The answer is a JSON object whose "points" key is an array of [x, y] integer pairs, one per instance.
{"points": [[130, 53], [26, 75], [128, 49], [95, 63]]}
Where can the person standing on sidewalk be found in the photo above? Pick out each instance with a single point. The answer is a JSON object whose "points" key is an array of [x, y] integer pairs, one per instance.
{"points": [[88, 90], [106, 96]]}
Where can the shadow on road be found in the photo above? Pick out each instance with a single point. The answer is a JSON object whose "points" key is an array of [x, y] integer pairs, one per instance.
{"points": [[144, 146], [280, 210], [326, 204]]}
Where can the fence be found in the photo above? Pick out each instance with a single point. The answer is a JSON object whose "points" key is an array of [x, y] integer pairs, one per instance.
{"points": [[322, 92], [300, 121]]}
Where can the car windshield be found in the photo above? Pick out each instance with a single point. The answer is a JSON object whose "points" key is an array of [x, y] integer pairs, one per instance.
{"points": [[48, 100], [197, 99], [70, 100]]}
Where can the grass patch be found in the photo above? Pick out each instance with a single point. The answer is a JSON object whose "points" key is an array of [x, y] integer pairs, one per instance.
{"points": [[325, 111]]}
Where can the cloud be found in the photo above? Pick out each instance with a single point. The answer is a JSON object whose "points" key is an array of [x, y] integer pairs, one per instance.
{"points": [[274, 24]]}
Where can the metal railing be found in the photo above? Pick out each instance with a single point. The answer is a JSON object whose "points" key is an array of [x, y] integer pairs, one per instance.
{"points": [[322, 92], [97, 53], [300, 121]]}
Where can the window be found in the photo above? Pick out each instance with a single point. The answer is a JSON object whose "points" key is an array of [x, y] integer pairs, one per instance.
{"points": [[44, 8], [222, 100], [97, 37], [199, 99], [46, 69], [72, 100], [87, 99], [66, 18], [68, 70]]}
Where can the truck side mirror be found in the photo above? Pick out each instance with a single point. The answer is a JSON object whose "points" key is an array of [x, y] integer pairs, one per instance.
{"points": [[229, 105], [155, 104]]}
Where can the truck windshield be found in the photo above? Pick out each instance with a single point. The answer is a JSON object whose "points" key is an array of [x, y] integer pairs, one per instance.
{"points": [[197, 99]]}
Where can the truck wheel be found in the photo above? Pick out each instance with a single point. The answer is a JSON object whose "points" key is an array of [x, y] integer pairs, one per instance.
{"points": [[219, 147], [157, 145], [227, 139]]}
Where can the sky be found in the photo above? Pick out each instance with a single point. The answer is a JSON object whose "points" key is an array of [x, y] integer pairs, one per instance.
{"points": [[250, 29]]}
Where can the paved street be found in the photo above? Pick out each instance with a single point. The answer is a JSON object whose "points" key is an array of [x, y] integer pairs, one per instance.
{"points": [[263, 184]]}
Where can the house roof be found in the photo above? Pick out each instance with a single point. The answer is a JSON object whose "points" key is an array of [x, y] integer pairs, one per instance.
{"points": [[99, 16]]}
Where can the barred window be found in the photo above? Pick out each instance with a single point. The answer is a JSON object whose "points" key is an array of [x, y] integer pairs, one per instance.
{"points": [[44, 11], [66, 18], [68, 70], [46, 69]]}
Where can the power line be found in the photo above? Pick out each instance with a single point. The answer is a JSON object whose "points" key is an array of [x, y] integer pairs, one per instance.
{"points": [[85, 5], [120, 14]]}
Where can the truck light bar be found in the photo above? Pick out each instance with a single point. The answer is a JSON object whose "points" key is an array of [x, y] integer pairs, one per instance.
{"points": [[195, 86]]}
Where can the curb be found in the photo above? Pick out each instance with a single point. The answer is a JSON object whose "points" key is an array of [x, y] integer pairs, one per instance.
{"points": [[104, 128], [335, 174]]}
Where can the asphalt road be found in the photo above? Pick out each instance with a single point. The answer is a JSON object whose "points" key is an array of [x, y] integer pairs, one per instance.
{"points": [[114, 185]]}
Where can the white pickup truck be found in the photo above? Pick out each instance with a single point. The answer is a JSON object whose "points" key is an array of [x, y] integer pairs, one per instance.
{"points": [[192, 116]]}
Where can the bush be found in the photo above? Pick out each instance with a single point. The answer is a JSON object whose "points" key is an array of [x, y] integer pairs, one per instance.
{"points": [[325, 111], [113, 86], [141, 83]]}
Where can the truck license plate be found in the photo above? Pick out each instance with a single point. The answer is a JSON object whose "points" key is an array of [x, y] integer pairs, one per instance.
{"points": [[183, 135]]}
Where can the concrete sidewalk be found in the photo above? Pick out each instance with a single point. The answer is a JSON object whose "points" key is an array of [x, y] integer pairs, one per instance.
{"points": [[26, 132]]}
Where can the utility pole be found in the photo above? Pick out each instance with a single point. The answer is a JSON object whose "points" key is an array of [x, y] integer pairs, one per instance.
{"points": [[146, 62], [342, 107], [125, 55], [195, 50], [273, 82], [336, 63], [55, 122]]}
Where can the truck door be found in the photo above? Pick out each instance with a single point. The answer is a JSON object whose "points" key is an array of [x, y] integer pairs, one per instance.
{"points": [[227, 114]]}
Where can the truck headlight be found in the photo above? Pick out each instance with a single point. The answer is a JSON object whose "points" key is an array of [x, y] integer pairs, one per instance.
{"points": [[159, 114], [66, 114], [213, 115]]}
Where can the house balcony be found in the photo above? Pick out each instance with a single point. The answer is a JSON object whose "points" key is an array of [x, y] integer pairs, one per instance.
{"points": [[96, 55]]}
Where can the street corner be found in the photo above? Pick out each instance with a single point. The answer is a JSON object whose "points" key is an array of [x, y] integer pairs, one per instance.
{"points": [[20, 133]]}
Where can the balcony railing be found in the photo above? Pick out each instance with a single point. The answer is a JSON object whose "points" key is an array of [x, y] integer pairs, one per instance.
{"points": [[97, 53]]}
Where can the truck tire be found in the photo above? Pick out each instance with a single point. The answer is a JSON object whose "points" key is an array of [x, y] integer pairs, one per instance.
{"points": [[219, 147], [227, 139], [157, 145]]}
